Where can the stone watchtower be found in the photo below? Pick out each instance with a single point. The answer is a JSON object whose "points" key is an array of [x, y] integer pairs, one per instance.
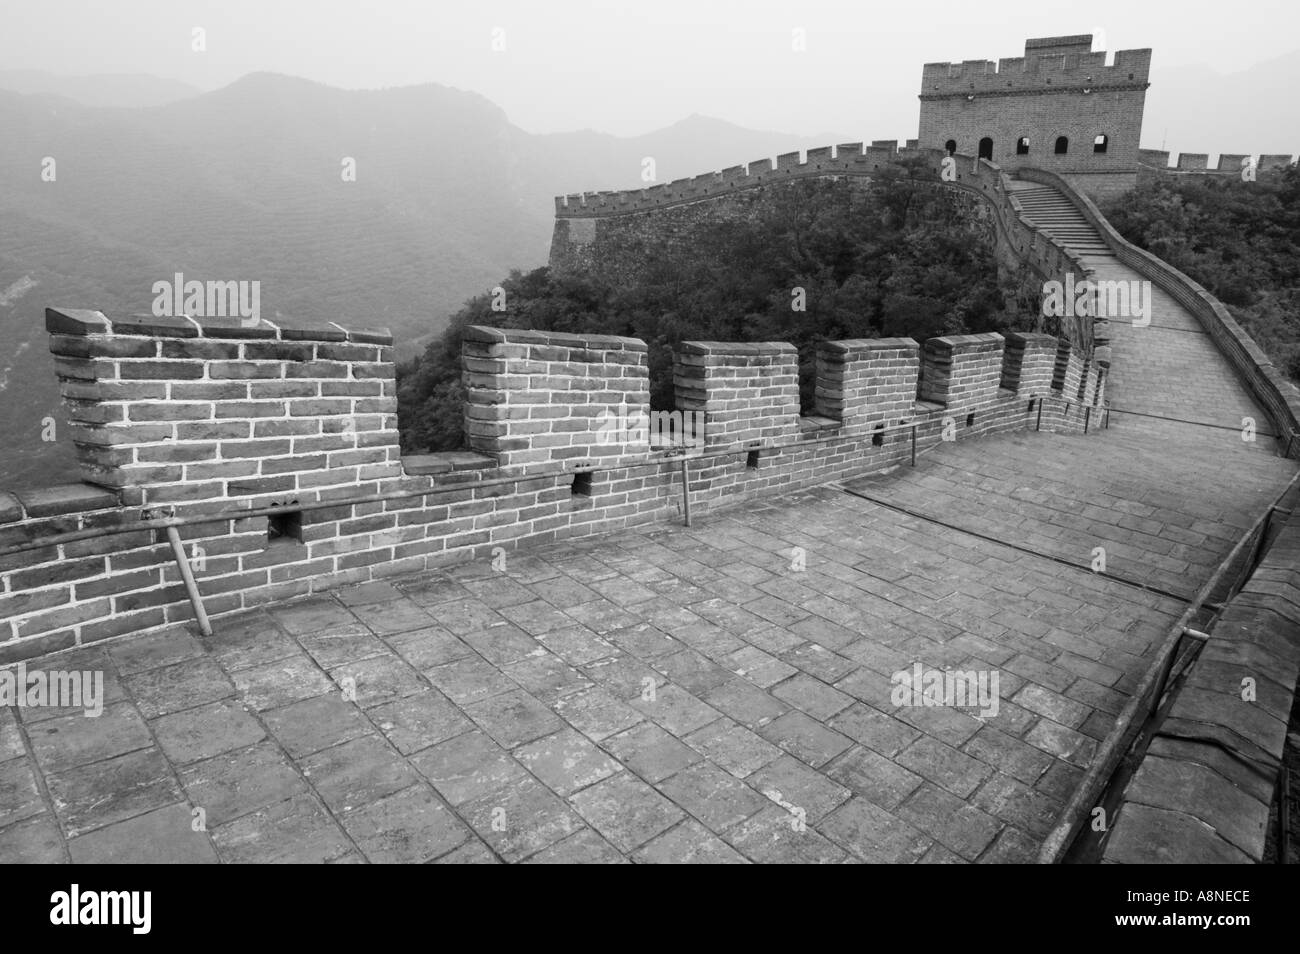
{"points": [[1059, 108]]}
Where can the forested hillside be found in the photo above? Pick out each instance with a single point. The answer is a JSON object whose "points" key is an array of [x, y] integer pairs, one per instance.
{"points": [[1241, 240], [894, 260]]}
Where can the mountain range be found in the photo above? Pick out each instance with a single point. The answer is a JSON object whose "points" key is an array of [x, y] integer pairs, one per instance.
{"points": [[109, 184], [247, 183]]}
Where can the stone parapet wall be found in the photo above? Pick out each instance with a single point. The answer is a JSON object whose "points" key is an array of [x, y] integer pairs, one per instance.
{"points": [[332, 503]]}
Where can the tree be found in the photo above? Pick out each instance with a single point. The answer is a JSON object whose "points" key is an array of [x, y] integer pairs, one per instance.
{"points": [[803, 262]]}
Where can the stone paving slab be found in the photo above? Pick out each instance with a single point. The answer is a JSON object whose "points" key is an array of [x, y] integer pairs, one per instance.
{"points": [[712, 695], [667, 695]]}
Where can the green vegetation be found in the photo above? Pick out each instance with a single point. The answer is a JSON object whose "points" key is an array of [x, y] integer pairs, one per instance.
{"points": [[895, 257], [1241, 240]]}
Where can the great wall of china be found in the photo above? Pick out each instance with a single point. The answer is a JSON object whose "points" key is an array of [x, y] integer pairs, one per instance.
{"points": [[228, 469]]}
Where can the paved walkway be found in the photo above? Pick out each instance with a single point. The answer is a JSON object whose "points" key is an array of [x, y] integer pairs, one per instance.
{"points": [[667, 695], [715, 694]]}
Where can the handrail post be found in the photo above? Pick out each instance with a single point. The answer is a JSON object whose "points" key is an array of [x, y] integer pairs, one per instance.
{"points": [[1038, 424], [191, 588], [686, 490], [1087, 416], [913, 444]]}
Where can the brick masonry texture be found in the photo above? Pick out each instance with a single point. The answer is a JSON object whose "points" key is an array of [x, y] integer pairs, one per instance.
{"points": [[748, 393], [1156, 161], [535, 399], [275, 421], [1058, 90], [871, 381]]}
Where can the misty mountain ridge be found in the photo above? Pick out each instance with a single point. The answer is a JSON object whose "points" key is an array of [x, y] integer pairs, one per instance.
{"points": [[247, 183], [118, 90], [1199, 109], [152, 177]]}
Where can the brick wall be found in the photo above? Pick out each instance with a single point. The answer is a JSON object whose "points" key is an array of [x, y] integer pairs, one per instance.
{"points": [[1067, 372], [1155, 163], [865, 382], [1028, 363], [1057, 89], [961, 371], [186, 410], [748, 393], [535, 400], [317, 496]]}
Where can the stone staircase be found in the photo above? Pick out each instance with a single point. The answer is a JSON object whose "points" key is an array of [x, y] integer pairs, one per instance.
{"points": [[1056, 215], [1165, 377]]}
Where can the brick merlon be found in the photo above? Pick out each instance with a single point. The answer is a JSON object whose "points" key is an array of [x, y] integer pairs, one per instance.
{"points": [[987, 341], [736, 347], [82, 322], [855, 346], [75, 321], [485, 335], [1031, 339]]}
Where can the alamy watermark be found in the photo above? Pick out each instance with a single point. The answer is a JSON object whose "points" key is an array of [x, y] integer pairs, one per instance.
{"points": [[130, 908], [630, 425], [963, 689], [212, 299], [66, 689], [1098, 299]]}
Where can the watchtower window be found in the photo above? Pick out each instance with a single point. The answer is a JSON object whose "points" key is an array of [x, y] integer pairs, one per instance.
{"points": [[1062, 145], [986, 148], [1022, 146], [950, 146], [1099, 144]]}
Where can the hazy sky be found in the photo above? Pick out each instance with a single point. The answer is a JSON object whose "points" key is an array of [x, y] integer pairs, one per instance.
{"points": [[626, 67]]}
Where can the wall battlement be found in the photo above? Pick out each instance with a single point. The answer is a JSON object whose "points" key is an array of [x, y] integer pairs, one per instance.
{"points": [[1229, 162], [845, 159], [185, 410], [1050, 64], [273, 452]]}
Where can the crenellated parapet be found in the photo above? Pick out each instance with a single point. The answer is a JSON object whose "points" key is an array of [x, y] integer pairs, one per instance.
{"points": [[1229, 163], [271, 452], [844, 159], [1051, 64], [183, 410], [1059, 107]]}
